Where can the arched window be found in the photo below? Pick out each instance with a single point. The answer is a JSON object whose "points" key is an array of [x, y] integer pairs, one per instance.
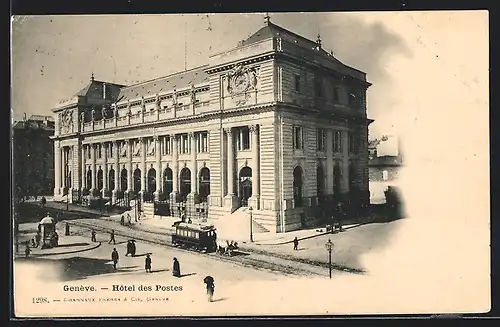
{"points": [[185, 183], [167, 181], [204, 184]]}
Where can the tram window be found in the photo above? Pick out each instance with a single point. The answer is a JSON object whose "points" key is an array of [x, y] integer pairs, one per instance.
{"points": [[197, 235]]}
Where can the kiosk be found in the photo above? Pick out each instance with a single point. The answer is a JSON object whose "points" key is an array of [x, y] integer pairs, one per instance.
{"points": [[47, 228]]}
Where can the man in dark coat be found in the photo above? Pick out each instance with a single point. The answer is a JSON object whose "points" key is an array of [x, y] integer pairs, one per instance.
{"points": [[112, 237], [148, 263], [43, 201], [122, 220], [115, 257], [295, 243], [176, 270], [209, 281], [92, 233], [129, 248], [132, 248], [27, 251]]}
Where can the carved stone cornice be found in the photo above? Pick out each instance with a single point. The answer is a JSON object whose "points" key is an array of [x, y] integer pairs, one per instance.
{"points": [[228, 131], [252, 129]]}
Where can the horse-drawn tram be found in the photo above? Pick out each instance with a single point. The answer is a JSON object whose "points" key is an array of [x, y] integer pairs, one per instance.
{"points": [[201, 238]]}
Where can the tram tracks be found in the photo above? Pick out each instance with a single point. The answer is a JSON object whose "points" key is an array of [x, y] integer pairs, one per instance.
{"points": [[251, 260]]}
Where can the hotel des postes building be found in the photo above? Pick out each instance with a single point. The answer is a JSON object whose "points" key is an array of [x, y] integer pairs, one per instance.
{"points": [[277, 124]]}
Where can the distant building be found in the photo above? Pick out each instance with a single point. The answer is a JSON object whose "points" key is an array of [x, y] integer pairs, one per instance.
{"points": [[384, 166], [33, 157]]}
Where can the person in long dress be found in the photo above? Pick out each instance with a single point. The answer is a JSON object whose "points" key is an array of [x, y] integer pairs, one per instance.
{"points": [[176, 270], [148, 263]]}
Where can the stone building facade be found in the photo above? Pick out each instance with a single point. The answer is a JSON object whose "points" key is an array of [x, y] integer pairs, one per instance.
{"points": [[33, 153], [276, 124]]}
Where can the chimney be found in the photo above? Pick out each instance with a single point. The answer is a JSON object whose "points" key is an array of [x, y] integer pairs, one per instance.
{"points": [[24, 118], [104, 91]]}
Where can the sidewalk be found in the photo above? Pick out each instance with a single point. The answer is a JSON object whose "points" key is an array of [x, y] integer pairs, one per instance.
{"points": [[67, 245]]}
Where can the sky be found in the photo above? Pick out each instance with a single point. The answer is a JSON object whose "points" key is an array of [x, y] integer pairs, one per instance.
{"points": [[53, 57]]}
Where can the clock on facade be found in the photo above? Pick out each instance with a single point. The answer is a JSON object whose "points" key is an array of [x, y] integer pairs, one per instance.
{"points": [[241, 83]]}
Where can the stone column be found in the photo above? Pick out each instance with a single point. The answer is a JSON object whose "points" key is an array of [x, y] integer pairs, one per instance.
{"points": [[63, 170], [116, 189], [193, 195], [329, 162], [344, 185], [105, 169], [254, 199], [84, 171], [94, 173], [175, 173], [143, 167], [128, 144], [157, 167], [57, 168], [230, 200]]}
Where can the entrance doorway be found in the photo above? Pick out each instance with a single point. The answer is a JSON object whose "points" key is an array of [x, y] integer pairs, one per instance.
{"points": [[245, 185]]}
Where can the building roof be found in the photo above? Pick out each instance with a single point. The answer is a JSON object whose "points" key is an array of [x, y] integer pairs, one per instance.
{"points": [[386, 161], [177, 80], [35, 122], [271, 30]]}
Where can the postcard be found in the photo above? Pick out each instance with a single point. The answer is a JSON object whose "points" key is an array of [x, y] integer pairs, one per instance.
{"points": [[251, 164]]}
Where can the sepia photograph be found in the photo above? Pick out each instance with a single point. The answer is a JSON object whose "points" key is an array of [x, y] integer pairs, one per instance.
{"points": [[250, 164]]}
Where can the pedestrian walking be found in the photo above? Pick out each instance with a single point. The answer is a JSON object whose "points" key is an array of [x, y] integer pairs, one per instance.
{"points": [[115, 257], [38, 237], [112, 237], [92, 233], [27, 251], [176, 270], [209, 281], [132, 248], [122, 220], [129, 219], [295, 243], [148, 263], [43, 201]]}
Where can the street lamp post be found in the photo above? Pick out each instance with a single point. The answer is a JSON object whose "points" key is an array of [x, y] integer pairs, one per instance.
{"points": [[251, 224], [329, 248]]}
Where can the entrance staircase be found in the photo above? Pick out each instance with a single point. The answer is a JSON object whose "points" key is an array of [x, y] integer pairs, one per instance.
{"points": [[236, 226], [148, 210]]}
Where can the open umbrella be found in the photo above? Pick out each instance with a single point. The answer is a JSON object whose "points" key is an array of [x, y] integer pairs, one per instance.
{"points": [[208, 280]]}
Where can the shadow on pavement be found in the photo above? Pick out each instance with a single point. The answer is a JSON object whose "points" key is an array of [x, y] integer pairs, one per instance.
{"points": [[219, 299], [72, 244], [75, 268], [186, 275], [159, 270]]}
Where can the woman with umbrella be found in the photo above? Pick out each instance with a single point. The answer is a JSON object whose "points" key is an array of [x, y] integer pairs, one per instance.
{"points": [[209, 281], [176, 271]]}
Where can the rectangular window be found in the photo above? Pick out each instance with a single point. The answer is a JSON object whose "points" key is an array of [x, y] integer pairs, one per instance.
{"points": [[336, 93], [111, 150], [318, 87], [99, 151], [89, 152], [298, 140], [184, 144], [352, 143], [167, 145], [320, 139], [297, 82], [243, 138], [202, 142], [337, 141]]}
